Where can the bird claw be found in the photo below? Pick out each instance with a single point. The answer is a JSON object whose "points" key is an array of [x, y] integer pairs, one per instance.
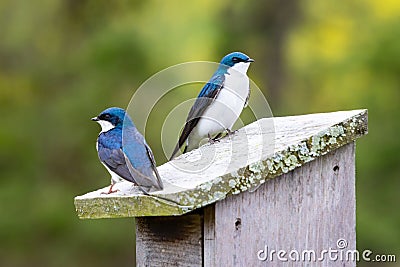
{"points": [[214, 140], [230, 132], [218, 137], [110, 191]]}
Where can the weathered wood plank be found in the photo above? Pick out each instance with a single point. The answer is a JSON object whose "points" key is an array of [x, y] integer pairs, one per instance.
{"points": [[209, 236], [169, 241], [310, 208], [260, 151]]}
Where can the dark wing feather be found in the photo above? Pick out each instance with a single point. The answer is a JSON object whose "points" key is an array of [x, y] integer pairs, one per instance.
{"points": [[135, 163], [159, 184], [207, 95], [140, 161], [145, 183], [114, 159], [246, 102]]}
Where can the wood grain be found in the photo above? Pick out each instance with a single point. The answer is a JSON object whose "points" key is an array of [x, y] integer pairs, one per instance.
{"points": [[310, 208], [169, 241]]}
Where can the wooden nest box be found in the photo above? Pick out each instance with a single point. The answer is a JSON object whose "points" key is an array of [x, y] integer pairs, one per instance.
{"points": [[285, 183]]}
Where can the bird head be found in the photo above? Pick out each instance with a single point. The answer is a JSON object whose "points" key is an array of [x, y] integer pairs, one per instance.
{"points": [[112, 118], [237, 61]]}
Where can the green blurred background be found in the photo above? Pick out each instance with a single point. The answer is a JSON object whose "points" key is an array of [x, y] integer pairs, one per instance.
{"points": [[63, 61]]}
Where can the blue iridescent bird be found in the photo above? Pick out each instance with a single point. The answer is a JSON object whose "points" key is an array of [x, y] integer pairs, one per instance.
{"points": [[219, 103], [124, 151]]}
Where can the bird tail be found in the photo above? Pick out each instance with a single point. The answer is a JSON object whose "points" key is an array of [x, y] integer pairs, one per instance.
{"points": [[144, 182], [177, 147]]}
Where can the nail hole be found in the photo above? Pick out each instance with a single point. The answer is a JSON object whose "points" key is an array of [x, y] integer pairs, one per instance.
{"points": [[238, 223], [336, 168]]}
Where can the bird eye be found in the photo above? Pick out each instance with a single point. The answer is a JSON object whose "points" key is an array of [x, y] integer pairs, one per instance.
{"points": [[106, 116], [235, 59]]}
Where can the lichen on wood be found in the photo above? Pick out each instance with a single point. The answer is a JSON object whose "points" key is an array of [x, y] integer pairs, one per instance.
{"points": [[292, 142]]}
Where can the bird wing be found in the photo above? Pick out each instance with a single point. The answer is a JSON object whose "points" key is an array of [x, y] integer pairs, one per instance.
{"points": [[207, 95], [246, 102], [114, 159], [159, 184], [140, 161], [145, 182], [132, 160]]}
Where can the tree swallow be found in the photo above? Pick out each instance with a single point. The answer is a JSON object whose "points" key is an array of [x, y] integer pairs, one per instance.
{"points": [[124, 151], [219, 103]]}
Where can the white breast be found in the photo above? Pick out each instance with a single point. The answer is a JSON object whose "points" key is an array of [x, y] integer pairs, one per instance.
{"points": [[105, 126], [225, 109]]}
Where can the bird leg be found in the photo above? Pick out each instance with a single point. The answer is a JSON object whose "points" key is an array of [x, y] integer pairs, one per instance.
{"points": [[215, 139], [230, 132], [218, 137], [110, 191]]}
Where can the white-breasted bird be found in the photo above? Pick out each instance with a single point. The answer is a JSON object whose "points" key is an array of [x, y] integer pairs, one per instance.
{"points": [[219, 103], [124, 151]]}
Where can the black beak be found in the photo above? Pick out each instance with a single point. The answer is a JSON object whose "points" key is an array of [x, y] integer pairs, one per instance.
{"points": [[250, 60], [95, 119]]}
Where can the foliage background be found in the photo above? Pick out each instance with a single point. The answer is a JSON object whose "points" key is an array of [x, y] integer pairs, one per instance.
{"points": [[63, 61]]}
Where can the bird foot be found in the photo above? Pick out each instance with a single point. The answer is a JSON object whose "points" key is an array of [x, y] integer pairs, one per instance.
{"points": [[110, 191], [213, 140], [230, 132]]}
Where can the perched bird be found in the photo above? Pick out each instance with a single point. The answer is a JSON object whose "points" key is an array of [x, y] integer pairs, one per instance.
{"points": [[124, 151], [219, 103]]}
